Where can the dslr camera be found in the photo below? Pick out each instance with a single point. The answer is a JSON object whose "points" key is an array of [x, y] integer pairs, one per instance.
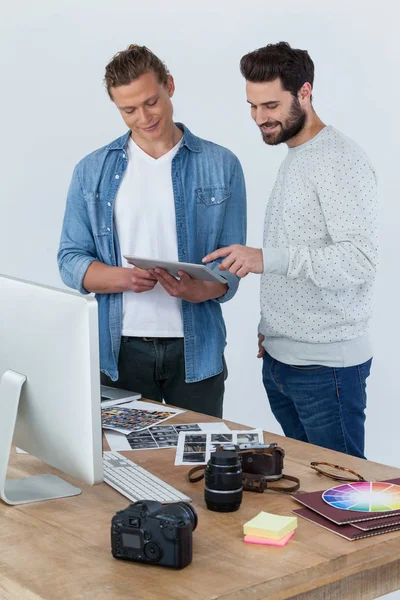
{"points": [[150, 532]]}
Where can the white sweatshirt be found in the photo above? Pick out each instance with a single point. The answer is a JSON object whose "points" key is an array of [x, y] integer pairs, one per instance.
{"points": [[320, 254]]}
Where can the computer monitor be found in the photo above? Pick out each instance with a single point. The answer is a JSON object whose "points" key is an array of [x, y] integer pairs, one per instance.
{"points": [[49, 387]]}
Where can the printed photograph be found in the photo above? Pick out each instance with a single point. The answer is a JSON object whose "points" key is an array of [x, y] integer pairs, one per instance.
{"points": [[140, 441], [221, 437], [140, 434], [162, 429], [196, 439], [168, 444], [247, 437], [134, 437], [195, 457], [142, 445], [160, 436], [194, 448], [188, 427], [131, 419]]}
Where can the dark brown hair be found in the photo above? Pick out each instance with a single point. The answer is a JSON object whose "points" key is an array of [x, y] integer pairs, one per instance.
{"points": [[294, 67], [129, 64]]}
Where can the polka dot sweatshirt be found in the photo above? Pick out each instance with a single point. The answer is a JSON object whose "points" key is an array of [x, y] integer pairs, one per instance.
{"points": [[320, 254]]}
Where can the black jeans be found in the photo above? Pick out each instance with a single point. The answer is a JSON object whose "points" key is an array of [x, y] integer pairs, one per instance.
{"points": [[156, 369]]}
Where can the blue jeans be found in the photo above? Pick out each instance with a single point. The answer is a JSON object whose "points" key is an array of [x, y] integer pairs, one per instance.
{"points": [[317, 404]]}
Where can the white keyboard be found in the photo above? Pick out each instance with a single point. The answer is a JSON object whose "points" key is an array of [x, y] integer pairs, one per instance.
{"points": [[135, 483]]}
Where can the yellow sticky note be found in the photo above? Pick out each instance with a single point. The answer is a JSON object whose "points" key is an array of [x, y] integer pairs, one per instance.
{"points": [[270, 526]]}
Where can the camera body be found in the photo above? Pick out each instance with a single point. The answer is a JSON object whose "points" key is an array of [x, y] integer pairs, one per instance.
{"points": [[149, 532], [265, 460]]}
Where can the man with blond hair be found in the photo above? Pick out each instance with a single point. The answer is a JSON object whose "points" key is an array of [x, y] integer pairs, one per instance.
{"points": [[159, 192]]}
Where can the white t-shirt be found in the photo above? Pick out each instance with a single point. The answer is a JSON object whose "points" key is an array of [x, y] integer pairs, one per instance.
{"points": [[144, 214]]}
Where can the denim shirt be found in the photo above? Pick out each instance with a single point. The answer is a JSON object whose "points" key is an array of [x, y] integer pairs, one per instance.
{"points": [[210, 207]]}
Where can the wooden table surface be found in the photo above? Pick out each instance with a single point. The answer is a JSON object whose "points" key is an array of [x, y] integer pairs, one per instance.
{"points": [[61, 548]]}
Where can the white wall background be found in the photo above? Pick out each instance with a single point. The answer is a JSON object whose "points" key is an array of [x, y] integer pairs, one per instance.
{"points": [[54, 110]]}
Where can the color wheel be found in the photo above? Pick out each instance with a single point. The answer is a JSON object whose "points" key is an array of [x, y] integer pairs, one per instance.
{"points": [[364, 496]]}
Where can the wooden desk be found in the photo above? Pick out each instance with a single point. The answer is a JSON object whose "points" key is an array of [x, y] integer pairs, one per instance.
{"points": [[61, 548]]}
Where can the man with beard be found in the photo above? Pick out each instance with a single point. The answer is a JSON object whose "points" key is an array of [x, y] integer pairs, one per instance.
{"points": [[318, 260]]}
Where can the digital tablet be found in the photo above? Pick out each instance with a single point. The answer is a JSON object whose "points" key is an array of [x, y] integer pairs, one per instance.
{"points": [[172, 266]]}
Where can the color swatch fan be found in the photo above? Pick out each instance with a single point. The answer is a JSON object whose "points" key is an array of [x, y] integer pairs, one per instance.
{"points": [[364, 496]]}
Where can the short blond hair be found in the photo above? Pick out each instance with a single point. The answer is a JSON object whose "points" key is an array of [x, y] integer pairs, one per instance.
{"points": [[127, 65]]}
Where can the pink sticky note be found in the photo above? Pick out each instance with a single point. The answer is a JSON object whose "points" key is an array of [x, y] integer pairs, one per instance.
{"points": [[254, 539]]}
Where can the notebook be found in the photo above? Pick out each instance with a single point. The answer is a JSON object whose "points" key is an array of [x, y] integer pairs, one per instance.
{"points": [[349, 532], [314, 501], [377, 523]]}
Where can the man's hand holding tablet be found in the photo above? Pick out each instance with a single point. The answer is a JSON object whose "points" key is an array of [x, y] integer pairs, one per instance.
{"points": [[188, 281]]}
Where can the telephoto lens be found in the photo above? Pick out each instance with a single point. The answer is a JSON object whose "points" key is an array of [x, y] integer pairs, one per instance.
{"points": [[223, 481]]}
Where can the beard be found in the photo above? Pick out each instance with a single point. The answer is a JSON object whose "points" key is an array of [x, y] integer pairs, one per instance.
{"points": [[292, 126]]}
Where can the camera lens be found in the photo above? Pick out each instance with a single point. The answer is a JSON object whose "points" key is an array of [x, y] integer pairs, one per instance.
{"points": [[183, 510], [223, 481]]}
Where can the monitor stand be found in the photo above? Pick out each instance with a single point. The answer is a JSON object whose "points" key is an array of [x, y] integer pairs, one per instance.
{"points": [[29, 489]]}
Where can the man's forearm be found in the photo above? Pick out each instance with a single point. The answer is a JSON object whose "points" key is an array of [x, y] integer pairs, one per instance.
{"points": [[103, 279], [214, 290]]}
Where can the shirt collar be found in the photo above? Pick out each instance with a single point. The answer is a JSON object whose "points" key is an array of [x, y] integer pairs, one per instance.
{"points": [[189, 140]]}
